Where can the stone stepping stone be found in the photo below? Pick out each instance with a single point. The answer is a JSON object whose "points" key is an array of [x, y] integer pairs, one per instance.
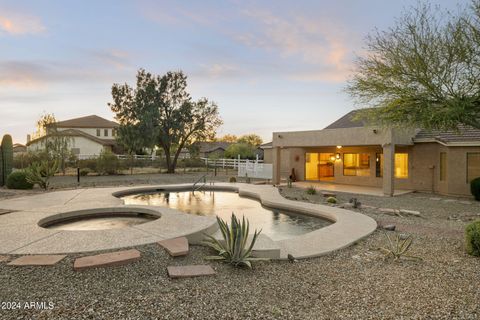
{"points": [[175, 247], [37, 260], [176, 272], [3, 258], [106, 259]]}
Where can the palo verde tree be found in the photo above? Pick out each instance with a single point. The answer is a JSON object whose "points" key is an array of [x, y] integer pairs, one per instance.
{"points": [[168, 116], [422, 72]]}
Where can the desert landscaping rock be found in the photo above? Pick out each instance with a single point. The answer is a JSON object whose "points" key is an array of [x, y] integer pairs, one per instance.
{"points": [[410, 212], [107, 259], [176, 272], [4, 258], [37, 260], [175, 247], [389, 227]]}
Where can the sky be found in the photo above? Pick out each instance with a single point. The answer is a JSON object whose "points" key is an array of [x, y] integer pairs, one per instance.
{"points": [[269, 65]]}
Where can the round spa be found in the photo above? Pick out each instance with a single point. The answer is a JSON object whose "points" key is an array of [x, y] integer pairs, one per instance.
{"points": [[274, 223], [98, 219]]}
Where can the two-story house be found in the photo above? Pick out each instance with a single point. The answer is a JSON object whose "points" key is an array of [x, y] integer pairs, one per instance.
{"points": [[89, 136]]}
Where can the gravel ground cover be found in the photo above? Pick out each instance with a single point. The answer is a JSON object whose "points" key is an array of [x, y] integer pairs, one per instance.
{"points": [[353, 283]]}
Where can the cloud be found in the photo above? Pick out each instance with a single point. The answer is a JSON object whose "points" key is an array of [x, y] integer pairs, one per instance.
{"points": [[319, 44], [16, 23], [114, 57]]}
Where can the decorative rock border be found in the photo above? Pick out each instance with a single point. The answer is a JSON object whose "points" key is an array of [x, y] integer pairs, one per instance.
{"points": [[20, 232]]}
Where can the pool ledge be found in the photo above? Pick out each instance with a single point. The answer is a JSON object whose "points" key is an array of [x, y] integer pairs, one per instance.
{"points": [[21, 234]]}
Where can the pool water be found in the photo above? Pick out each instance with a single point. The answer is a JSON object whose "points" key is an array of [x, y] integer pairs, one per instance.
{"points": [[276, 224]]}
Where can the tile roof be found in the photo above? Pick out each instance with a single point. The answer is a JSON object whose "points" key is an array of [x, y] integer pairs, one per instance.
{"points": [[212, 146], [91, 121], [347, 121], [464, 134], [78, 133]]}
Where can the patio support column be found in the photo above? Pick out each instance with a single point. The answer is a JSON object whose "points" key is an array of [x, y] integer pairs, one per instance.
{"points": [[277, 163], [389, 169]]}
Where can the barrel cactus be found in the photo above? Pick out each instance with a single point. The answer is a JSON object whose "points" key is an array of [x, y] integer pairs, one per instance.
{"points": [[7, 155]]}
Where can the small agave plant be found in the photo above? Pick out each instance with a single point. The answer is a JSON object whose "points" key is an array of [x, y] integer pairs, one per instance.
{"points": [[234, 248], [399, 247]]}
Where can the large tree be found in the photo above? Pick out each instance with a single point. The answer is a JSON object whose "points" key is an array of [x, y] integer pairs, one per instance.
{"points": [[168, 116], [252, 139], [422, 72]]}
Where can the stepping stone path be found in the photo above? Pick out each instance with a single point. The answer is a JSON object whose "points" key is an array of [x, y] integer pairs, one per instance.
{"points": [[175, 247], [176, 272], [37, 260], [107, 259], [3, 258]]}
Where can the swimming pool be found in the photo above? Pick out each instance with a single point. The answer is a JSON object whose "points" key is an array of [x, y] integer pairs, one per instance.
{"points": [[276, 224]]}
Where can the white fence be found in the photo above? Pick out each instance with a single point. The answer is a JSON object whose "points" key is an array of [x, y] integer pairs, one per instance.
{"points": [[227, 163], [253, 169]]}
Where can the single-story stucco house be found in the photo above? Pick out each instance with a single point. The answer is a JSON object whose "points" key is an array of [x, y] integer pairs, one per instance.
{"points": [[89, 135], [350, 152]]}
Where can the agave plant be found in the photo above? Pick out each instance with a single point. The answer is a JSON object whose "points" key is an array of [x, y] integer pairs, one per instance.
{"points": [[234, 248], [399, 247]]}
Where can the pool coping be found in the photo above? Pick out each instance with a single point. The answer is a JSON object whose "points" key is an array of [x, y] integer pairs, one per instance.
{"points": [[21, 234]]}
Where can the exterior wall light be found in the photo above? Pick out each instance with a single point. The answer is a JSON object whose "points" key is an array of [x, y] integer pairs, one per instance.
{"points": [[337, 156], [332, 157], [339, 147]]}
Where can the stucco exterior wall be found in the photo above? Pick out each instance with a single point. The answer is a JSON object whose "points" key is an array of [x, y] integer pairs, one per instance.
{"points": [[86, 146], [267, 156]]}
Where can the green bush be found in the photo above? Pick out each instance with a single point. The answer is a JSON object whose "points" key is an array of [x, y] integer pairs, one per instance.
{"points": [[472, 238], [84, 172], [246, 151], [18, 180], [311, 190], [475, 188], [107, 163], [88, 164], [232, 180], [332, 200]]}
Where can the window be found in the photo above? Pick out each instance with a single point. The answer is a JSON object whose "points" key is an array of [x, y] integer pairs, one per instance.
{"points": [[473, 166], [319, 166], [400, 167], [98, 132], [443, 166], [105, 132], [356, 164]]}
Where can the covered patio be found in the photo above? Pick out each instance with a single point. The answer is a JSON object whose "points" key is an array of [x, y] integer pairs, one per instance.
{"points": [[347, 188]]}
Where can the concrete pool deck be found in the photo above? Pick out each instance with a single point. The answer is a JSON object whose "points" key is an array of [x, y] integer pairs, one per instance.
{"points": [[20, 232]]}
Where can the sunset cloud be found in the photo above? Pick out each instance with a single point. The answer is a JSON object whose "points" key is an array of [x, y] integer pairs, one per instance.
{"points": [[15, 23]]}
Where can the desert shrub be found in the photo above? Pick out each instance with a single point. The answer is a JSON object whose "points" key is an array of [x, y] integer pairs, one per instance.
{"points": [[88, 163], [475, 188], [246, 151], [40, 172], [311, 190], [472, 238], [398, 247], [107, 163], [84, 172], [232, 179], [332, 200], [234, 249], [18, 180]]}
